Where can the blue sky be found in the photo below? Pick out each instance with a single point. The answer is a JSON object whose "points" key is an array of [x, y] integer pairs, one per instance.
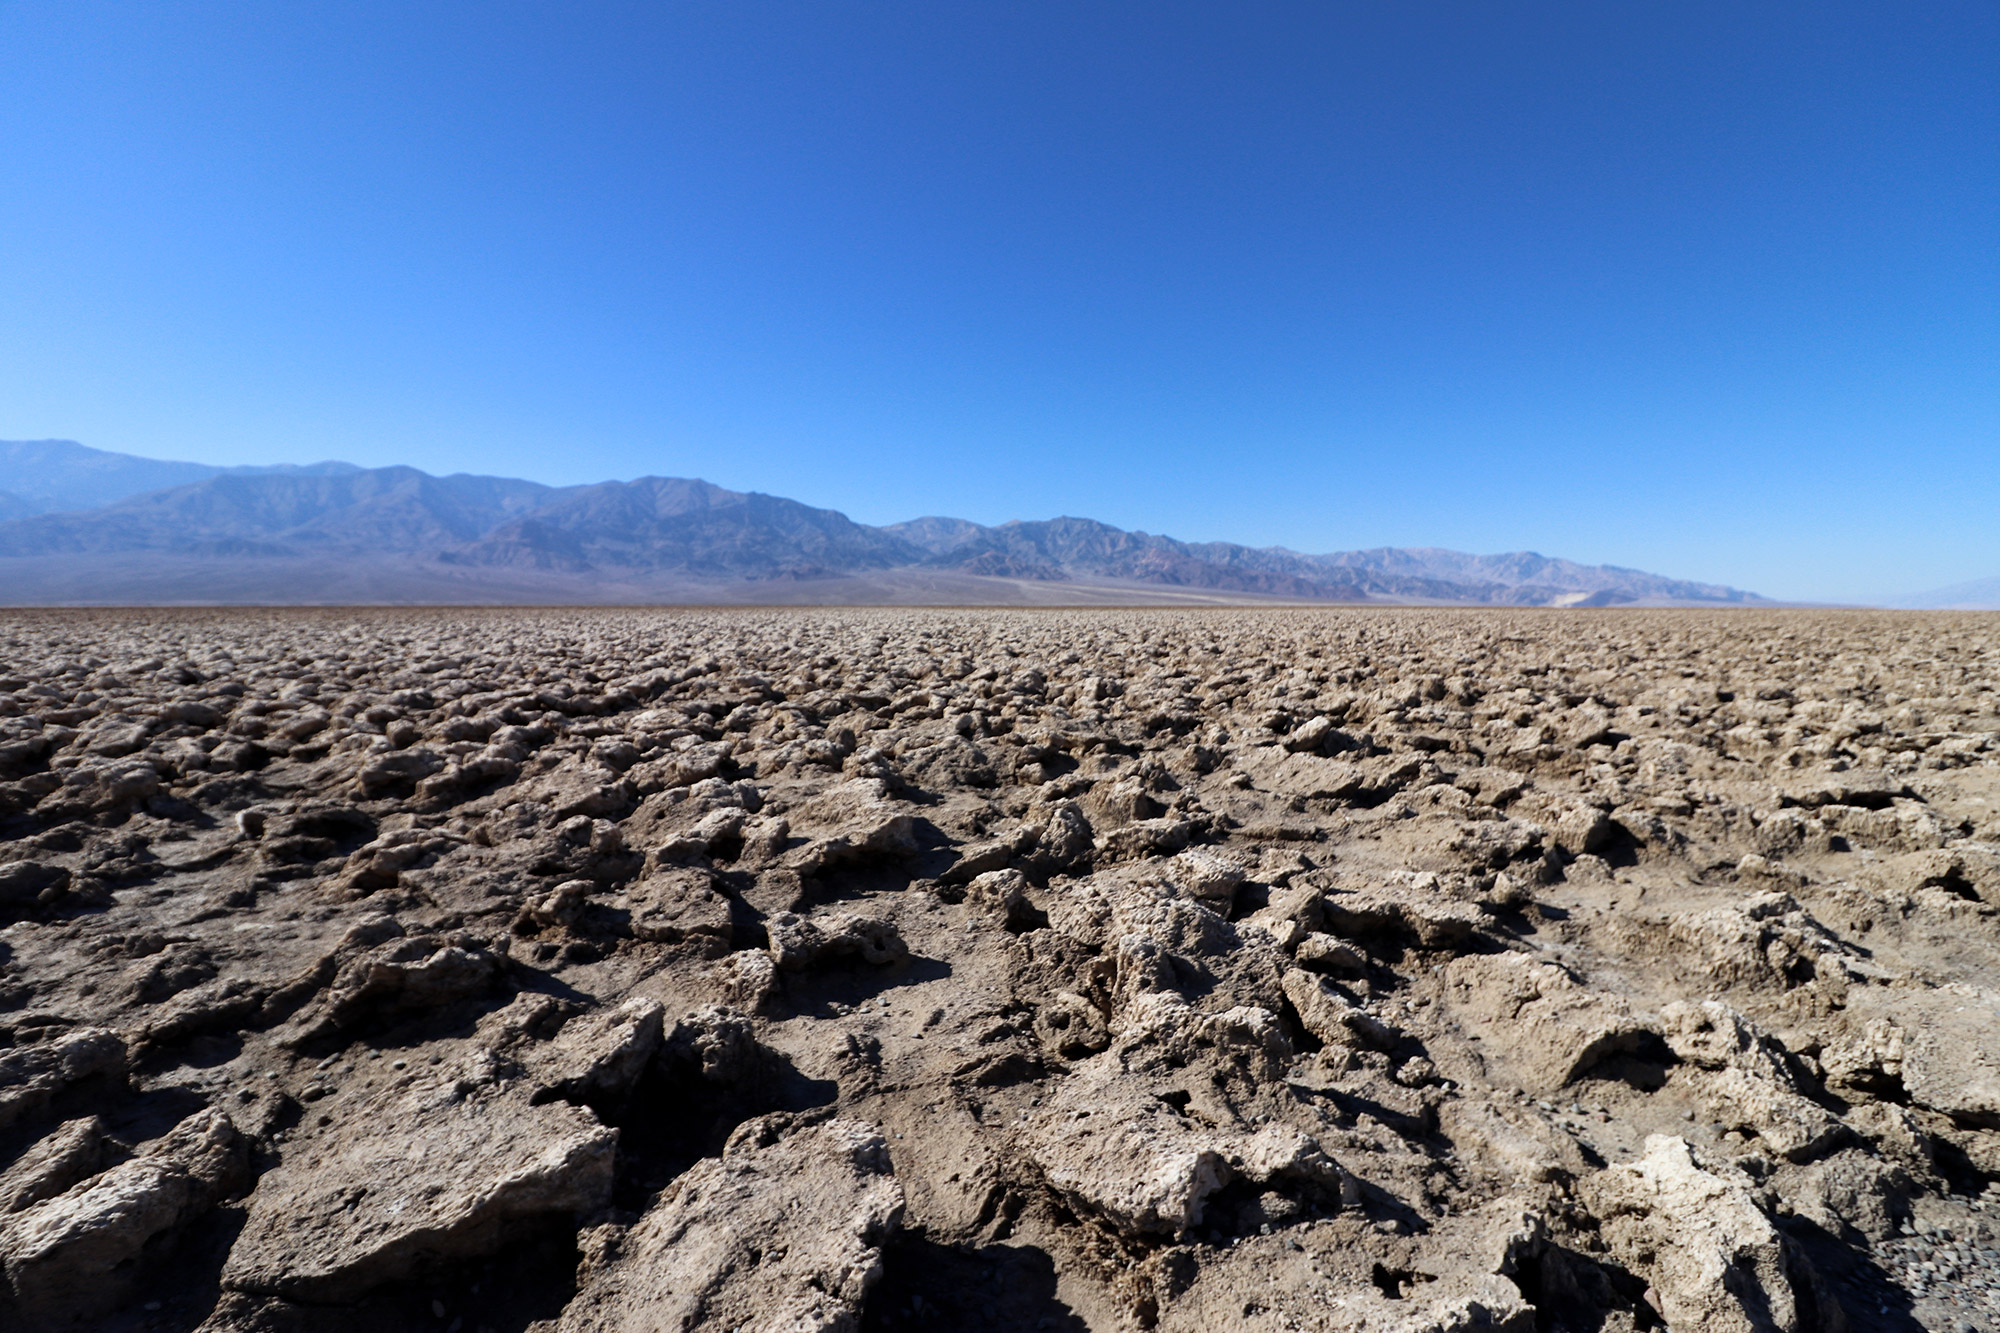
{"points": [[1710, 289]]}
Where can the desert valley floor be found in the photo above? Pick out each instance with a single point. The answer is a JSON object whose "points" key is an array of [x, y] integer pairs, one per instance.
{"points": [[1415, 970]]}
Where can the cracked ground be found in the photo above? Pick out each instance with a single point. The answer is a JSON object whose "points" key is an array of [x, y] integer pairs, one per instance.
{"points": [[1117, 969]]}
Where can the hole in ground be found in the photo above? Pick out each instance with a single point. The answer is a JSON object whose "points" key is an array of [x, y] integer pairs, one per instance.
{"points": [[675, 1117], [1397, 1283], [996, 1288]]}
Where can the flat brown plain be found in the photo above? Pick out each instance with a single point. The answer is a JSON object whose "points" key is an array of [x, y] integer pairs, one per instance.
{"points": [[1108, 969]]}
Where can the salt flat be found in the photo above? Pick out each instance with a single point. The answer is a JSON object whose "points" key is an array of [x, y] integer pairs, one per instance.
{"points": [[1077, 969]]}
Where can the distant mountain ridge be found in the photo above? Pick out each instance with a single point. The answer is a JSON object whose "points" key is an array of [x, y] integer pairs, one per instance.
{"points": [[690, 527], [298, 534], [50, 476], [1978, 595], [365, 511]]}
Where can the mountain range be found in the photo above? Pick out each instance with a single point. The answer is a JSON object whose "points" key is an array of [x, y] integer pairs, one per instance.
{"points": [[87, 526], [1978, 595], [49, 476]]}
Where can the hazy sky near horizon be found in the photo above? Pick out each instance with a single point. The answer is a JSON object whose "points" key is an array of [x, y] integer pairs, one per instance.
{"points": [[1708, 289]]}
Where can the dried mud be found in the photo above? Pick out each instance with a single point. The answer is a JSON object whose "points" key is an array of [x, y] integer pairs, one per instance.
{"points": [[840, 970]]}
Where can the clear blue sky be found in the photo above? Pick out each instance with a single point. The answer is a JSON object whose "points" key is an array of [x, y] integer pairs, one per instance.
{"points": [[1710, 289]]}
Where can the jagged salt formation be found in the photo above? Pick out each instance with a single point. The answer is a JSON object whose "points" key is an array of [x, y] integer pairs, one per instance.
{"points": [[1112, 970]]}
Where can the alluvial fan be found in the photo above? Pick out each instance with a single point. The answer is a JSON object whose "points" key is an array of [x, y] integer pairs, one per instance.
{"points": [[836, 970]]}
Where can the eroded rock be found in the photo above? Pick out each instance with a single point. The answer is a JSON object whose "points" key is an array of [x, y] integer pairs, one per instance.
{"points": [[799, 942], [79, 1252], [424, 1175], [784, 1230], [33, 1076], [1539, 1020], [1716, 1261]]}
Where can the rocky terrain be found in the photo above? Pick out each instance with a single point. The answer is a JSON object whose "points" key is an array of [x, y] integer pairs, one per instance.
{"points": [[85, 527], [1352, 970]]}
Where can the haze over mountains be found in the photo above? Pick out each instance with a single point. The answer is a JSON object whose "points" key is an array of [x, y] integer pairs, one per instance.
{"points": [[1978, 595], [48, 476], [84, 525]]}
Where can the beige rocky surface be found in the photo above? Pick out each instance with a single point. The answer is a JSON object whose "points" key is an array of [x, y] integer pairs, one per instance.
{"points": [[783, 1231], [888, 970]]}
